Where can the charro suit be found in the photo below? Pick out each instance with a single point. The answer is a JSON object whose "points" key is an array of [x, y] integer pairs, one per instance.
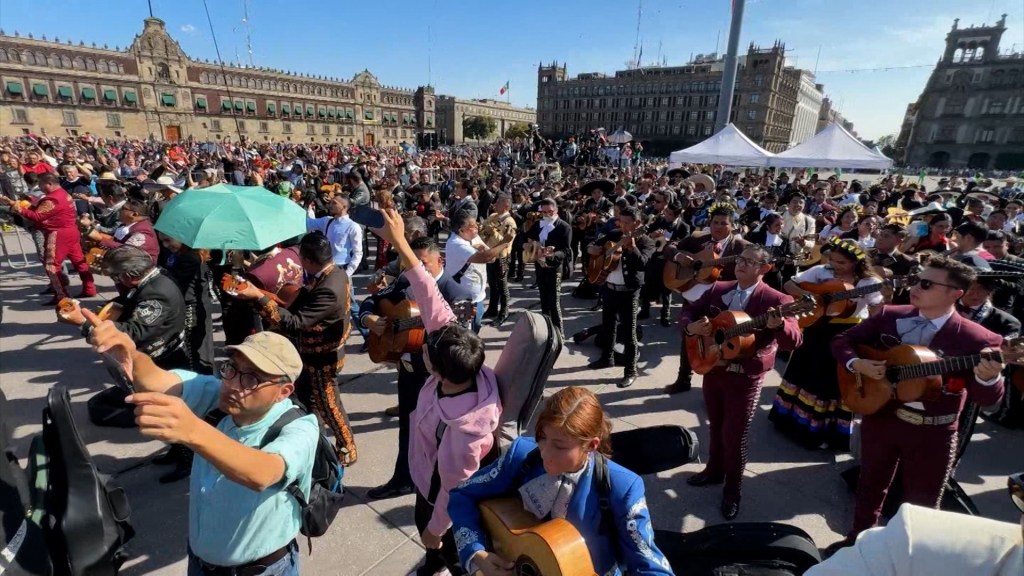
{"points": [[925, 452], [318, 319], [731, 392], [549, 276]]}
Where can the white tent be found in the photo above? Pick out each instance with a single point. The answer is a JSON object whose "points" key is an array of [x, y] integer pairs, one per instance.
{"points": [[729, 147], [833, 147]]}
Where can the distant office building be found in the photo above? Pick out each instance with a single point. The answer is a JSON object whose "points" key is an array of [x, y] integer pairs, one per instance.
{"points": [[668, 107], [808, 106], [451, 112], [971, 113]]}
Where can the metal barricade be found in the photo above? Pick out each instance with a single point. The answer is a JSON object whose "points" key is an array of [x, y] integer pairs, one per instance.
{"points": [[11, 262]]}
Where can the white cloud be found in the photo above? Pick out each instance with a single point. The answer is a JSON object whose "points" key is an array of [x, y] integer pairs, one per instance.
{"points": [[188, 28]]}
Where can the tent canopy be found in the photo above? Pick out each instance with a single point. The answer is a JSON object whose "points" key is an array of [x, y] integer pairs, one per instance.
{"points": [[729, 147], [833, 147]]}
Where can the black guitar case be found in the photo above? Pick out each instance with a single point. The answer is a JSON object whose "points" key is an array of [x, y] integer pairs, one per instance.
{"points": [[21, 540], [84, 516], [654, 449], [522, 372], [739, 549]]}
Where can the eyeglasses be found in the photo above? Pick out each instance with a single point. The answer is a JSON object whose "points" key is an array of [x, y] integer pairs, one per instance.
{"points": [[926, 284], [1015, 484], [248, 381], [743, 260]]}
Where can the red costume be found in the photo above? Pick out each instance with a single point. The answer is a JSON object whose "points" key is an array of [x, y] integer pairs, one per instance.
{"points": [[921, 441], [55, 216], [731, 390]]}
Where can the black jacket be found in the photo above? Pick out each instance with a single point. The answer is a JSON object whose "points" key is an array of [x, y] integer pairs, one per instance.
{"points": [[153, 315], [994, 320], [317, 318], [634, 262], [559, 239]]}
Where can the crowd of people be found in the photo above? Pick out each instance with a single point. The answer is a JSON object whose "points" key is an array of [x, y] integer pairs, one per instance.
{"points": [[934, 267]]}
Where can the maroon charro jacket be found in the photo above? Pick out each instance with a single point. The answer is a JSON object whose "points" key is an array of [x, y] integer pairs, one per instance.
{"points": [[766, 341], [958, 337]]}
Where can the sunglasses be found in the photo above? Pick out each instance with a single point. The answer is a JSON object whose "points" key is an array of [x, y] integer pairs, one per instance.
{"points": [[926, 284], [1015, 484]]}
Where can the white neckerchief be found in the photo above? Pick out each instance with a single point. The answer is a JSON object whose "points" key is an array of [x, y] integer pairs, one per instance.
{"points": [[547, 494]]}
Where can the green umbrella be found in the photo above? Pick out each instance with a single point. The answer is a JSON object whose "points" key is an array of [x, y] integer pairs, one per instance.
{"points": [[231, 217]]}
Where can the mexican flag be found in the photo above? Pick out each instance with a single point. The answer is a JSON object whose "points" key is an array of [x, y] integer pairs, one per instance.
{"points": [[504, 88]]}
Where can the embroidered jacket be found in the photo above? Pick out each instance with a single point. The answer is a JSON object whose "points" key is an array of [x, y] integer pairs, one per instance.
{"points": [[634, 551]]}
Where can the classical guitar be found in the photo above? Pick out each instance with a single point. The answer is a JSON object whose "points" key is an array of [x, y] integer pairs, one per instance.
{"points": [[405, 332], [537, 548], [703, 267], [284, 297], [733, 337], [912, 373], [601, 265], [834, 298], [110, 311], [94, 258]]}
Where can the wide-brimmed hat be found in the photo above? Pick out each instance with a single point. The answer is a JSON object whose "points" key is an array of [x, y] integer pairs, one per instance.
{"points": [[163, 183], [108, 177], [271, 354]]}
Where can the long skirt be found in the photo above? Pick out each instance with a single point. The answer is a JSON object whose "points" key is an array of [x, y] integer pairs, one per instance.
{"points": [[807, 406]]}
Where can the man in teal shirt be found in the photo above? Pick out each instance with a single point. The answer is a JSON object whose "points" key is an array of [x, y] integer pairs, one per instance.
{"points": [[242, 521]]}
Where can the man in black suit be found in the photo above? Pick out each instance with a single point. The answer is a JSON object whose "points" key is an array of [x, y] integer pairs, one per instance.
{"points": [[769, 235], [887, 255], [318, 320], [669, 226], [412, 372], [463, 202], [621, 292], [554, 236]]}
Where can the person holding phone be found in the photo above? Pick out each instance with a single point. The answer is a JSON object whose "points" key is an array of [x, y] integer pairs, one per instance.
{"points": [[936, 237]]}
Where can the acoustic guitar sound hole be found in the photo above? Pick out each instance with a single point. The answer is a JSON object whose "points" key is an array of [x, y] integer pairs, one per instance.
{"points": [[526, 567]]}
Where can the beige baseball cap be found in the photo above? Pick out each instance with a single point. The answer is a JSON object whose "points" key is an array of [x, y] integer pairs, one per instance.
{"points": [[272, 354]]}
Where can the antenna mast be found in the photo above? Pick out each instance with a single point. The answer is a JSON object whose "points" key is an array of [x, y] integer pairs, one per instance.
{"points": [[248, 35]]}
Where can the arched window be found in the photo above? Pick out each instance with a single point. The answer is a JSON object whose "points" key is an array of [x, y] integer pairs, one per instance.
{"points": [[90, 64], [3, 56], [26, 57], [40, 59], [102, 66], [65, 62], [53, 61], [163, 72], [78, 63], [251, 84]]}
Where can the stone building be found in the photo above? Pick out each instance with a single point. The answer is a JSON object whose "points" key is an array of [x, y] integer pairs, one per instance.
{"points": [[669, 107], [451, 111], [831, 115], [152, 88], [808, 106], [971, 113]]}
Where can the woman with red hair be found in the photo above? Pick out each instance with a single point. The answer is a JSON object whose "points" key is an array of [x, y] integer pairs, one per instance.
{"points": [[559, 474]]}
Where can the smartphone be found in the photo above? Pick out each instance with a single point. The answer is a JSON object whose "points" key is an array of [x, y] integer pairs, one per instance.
{"points": [[366, 216], [920, 229]]}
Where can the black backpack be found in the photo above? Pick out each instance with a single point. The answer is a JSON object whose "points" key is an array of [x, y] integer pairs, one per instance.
{"points": [[326, 492]]}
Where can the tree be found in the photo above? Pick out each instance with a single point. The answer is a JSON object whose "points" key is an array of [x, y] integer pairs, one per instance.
{"points": [[518, 130], [478, 127], [887, 144]]}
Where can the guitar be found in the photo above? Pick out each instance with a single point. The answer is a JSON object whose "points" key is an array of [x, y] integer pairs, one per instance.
{"points": [[110, 311], [284, 297], [551, 548], [94, 258], [834, 298], [704, 267], [404, 332], [733, 337], [912, 373], [601, 265]]}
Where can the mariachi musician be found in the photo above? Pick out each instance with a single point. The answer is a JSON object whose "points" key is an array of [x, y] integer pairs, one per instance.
{"points": [[886, 255], [596, 210], [721, 219], [412, 372], [620, 294], [770, 236], [135, 230], [921, 436], [499, 228], [732, 389], [553, 236], [669, 224]]}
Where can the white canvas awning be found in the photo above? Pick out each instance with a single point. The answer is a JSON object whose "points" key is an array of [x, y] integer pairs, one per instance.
{"points": [[729, 147], [833, 147]]}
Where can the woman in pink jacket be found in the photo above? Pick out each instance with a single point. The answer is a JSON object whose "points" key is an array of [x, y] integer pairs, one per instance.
{"points": [[456, 413]]}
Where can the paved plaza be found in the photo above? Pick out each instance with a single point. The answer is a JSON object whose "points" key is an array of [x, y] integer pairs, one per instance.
{"points": [[784, 482]]}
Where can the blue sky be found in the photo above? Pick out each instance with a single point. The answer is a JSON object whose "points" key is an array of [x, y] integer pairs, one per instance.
{"points": [[474, 47]]}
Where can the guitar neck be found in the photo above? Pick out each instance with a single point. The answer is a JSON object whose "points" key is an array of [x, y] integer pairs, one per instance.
{"points": [[723, 261], [407, 324], [856, 292], [945, 365], [755, 323]]}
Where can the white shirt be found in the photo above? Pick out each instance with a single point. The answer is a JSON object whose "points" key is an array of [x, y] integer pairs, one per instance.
{"points": [[346, 238], [772, 239], [457, 252], [733, 297], [546, 227]]}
